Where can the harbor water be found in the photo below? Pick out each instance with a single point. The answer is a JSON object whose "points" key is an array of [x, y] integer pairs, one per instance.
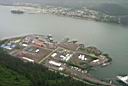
{"points": [[110, 38]]}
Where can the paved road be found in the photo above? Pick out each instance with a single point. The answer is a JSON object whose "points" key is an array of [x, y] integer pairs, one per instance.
{"points": [[48, 55]]}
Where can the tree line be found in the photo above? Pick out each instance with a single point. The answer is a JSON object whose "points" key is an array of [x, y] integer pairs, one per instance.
{"points": [[34, 74]]}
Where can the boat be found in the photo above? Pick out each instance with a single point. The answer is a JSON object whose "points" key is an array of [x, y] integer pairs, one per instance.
{"points": [[124, 79], [17, 11], [105, 64]]}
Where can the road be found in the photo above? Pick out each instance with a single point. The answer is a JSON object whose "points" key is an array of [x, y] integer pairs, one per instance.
{"points": [[48, 55]]}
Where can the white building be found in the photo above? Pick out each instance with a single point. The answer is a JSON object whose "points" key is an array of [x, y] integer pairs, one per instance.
{"points": [[25, 45], [55, 63], [37, 50], [61, 68], [97, 60], [82, 57], [25, 58], [54, 54]]}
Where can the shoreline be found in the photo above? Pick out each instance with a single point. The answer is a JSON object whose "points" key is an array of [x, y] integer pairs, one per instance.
{"points": [[82, 13]]}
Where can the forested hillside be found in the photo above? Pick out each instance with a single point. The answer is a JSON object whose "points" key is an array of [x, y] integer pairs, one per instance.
{"points": [[17, 73], [11, 78]]}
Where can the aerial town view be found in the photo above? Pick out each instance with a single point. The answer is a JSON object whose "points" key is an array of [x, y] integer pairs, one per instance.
{"points": [[68, 57], [63, 43], [82, 13]]}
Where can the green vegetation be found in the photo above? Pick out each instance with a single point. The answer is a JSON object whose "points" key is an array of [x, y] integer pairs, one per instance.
{"points": [[91, 50], [107, 56], [3, 41], [87, 67], [11, 78], [31, 74]]}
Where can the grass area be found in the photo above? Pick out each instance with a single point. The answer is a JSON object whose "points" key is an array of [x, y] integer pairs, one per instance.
{"points": [[87, 67]]}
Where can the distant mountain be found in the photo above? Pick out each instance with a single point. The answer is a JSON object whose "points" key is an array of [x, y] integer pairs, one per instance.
{"points": [[112, 9]]}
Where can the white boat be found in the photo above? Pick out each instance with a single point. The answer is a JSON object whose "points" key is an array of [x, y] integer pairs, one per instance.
{"points": [[123, 79]]}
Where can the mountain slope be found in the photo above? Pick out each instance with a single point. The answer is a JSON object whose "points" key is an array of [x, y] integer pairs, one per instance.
{"points": [[11, 78]]}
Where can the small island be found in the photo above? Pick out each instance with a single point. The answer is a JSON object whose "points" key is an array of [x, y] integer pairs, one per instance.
{"points": [[68, 57]]}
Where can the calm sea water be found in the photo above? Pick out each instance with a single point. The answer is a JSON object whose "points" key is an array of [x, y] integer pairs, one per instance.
{"points": [[110, 38]]}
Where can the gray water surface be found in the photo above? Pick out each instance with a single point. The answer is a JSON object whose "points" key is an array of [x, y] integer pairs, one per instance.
{"points": [[110, 38]]}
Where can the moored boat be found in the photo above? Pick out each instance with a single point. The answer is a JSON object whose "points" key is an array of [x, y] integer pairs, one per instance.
{"points": [[16, 11], [123, 79]]}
